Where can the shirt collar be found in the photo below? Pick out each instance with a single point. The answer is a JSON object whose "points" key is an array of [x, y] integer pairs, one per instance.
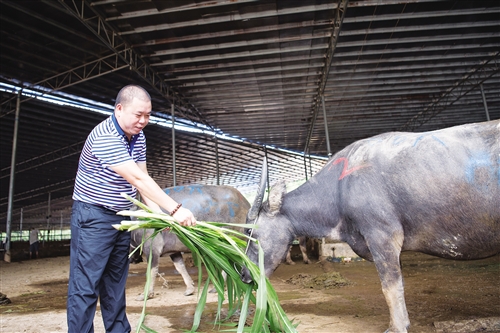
{"points": [[132, 140], [120, 131], [117, 126]]}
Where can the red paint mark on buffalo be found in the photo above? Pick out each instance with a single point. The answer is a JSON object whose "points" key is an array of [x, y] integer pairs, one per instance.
{"points": [[345, 171]]}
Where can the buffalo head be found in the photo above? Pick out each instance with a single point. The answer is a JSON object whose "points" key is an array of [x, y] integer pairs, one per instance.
{"points": [[272, 231]]}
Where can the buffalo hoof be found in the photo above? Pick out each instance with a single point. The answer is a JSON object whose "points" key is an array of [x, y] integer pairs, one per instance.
{"points": [[141, 297], [290, 262], [189, 292], [391, 330]]}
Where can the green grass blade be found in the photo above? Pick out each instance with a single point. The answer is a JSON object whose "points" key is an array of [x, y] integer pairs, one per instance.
{"points": [[218, 249], [244, 309], [202, 299], [146, 290], [261, 304]]}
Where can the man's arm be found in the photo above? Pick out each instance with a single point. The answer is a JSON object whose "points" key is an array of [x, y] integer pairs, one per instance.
{"points": [[136, 174], [153, 205]]}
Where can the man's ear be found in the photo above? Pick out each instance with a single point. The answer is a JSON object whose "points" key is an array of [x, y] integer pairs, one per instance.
{"points": [[118, 109]]}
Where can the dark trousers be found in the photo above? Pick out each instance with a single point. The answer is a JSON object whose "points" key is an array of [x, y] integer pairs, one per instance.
{"points": [[34, 248], [98, 269]]}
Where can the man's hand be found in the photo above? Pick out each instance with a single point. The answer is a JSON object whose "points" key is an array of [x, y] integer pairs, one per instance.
{"points": [[184, 217]]}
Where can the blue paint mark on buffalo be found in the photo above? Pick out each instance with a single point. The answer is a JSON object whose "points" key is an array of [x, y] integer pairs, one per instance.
{"points": [[438, 140], [191, 189], [480, 169]]}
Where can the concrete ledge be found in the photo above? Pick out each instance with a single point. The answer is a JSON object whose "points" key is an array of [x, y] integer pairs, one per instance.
{"points": [[336, 250]]}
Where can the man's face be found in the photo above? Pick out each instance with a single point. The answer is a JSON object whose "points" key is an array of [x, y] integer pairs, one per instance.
{"points": [[134, 116]]}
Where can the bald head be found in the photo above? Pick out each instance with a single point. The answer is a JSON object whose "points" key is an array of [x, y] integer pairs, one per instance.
{"points": [[128, 93], [132, 109]]}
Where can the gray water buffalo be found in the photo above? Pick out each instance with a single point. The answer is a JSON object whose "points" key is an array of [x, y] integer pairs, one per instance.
{"points": [[208, 203], [434, 192]]}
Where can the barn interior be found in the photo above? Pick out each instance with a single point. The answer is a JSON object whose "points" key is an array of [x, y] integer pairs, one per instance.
{"points": [[295, 81]]}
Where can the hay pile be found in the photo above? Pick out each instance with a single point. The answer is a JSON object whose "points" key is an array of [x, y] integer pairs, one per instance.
{"points": [[324, 281]]}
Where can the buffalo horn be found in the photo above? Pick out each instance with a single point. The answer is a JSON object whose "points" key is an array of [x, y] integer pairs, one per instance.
{"points": [[254, 210]]}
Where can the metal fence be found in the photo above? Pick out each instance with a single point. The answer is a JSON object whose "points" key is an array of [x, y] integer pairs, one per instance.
{"points": [[46, 235]]}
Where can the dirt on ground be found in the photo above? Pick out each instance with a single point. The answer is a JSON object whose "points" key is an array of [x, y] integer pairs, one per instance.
{"points": [[442, 296]]}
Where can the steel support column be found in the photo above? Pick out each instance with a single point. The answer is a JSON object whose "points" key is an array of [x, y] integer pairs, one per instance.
{"points": [[484, 103], [49, 211], [12, 178], [173, 147], [217, 159], [21, 222], [310, 167], [305, 165], [327, 135]]}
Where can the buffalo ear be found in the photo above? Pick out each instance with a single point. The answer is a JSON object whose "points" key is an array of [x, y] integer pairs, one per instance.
{"points": [[276, 197]]}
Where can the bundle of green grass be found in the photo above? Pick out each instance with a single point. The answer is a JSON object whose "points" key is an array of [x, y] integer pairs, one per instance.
{"points": [[219, 249]]}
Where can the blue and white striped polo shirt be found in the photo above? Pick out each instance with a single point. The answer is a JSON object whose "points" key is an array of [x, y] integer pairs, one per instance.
{"points": [[107, 145]]}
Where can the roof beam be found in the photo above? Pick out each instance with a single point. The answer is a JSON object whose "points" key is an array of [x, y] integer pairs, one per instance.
{"points": [[419, 28], [242, 43], [111, 39], [155, 11], [236, 16], [231, 33], [92, 69], [468, 83], [416, 15], [443, 49], [420, 39], [234, 55], [50, 157], [421, 66], [256, 62], [85, 72], [250, 71], [280, 76]]}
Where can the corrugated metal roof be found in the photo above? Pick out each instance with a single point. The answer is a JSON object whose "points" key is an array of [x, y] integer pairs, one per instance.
{"points": [[257, 70]]}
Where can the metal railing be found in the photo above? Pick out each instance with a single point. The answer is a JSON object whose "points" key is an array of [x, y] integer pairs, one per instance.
{"points": [[46, 235]]}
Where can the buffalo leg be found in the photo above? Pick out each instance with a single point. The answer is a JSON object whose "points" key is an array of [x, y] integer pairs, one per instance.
{"points": [[181, 268], [387, 260], [151, 292], [155, 263], [303, 249], [289, 260]]}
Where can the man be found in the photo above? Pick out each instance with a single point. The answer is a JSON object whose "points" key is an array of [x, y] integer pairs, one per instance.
{"points": [[112, 161], [34, 233]]}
